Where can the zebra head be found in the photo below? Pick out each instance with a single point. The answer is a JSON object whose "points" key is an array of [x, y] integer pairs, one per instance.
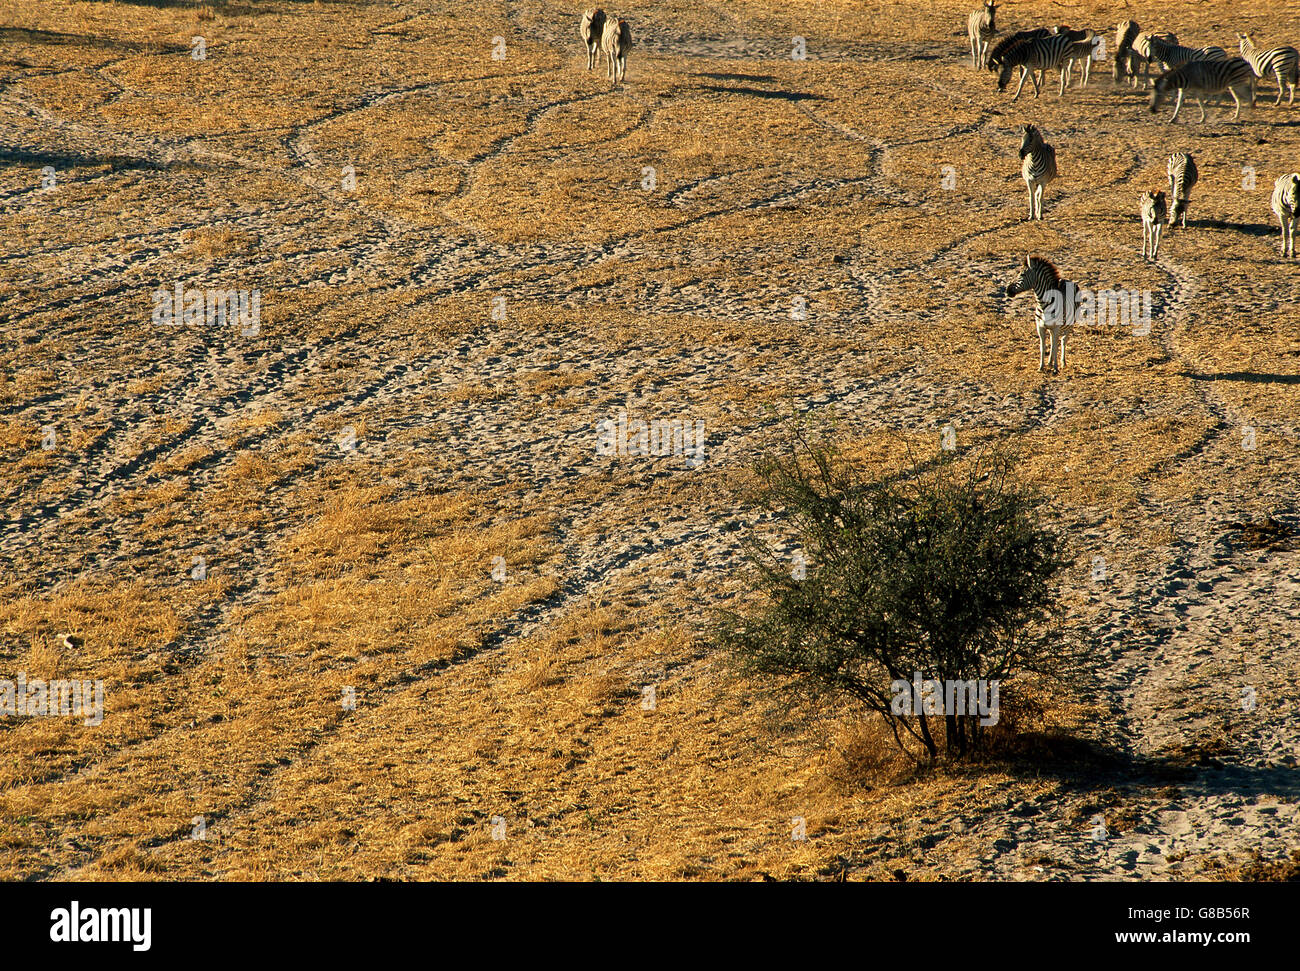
{"points": [[1291, 192], [1038, 275], [1029, 138], [1160, 90]]}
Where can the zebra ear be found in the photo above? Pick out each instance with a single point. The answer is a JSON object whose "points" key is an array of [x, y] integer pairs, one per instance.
{"points": [[1026, 260]]}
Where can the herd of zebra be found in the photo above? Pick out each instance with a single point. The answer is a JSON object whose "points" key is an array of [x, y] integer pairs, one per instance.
{"points": [[608, 35], [1201, 72]]}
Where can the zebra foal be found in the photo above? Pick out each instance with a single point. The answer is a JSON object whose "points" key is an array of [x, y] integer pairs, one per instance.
{"points": [[1152, 209]]}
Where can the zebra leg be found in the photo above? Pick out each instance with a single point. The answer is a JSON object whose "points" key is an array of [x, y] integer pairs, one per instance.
{"points": [[1155, 250], [1237, 101], [1145, 233], [1042, 346], [1024, 73], [1178, 104], [1277, 72], [1038, 201]]}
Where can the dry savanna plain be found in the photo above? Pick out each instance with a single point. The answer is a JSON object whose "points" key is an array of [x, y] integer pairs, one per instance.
{"points": [[367, 603]]}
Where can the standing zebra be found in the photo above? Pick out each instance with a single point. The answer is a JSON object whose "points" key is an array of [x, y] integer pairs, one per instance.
{"points": [[1286, 205], [1057, 305], [1039, 167], [1153, 211], [1125, 34], [1282, 62], [616, 41], [1182, 179], [590, 30], [981, 26], [1038, 54], [1205, 78], [1173, 55], [1083, 51]]}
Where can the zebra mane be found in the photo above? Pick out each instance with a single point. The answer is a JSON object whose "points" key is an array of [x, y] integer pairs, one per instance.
{"points": [[1010, 42], [1127, 38], [1037, 262]]}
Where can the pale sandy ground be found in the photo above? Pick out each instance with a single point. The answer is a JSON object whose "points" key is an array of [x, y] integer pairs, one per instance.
{"points": [[1180, 627]]}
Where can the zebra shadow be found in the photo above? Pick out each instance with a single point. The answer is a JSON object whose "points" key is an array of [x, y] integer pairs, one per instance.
{"points": [[1250, 377], [74, 160], [760, 93], [1249, 229], [723, 76], [54, 38]]}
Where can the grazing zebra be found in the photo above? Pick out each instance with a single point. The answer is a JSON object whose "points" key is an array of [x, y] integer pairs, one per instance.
{"points": [[1057, 305], [1282, 62], [1125, 34], [1038, 54], [999, 50], [590, 30], [1286, 205], [981, 26], [1206, 78], [616, 41], [1182, 179], [1039, 167], [1153, 211]]}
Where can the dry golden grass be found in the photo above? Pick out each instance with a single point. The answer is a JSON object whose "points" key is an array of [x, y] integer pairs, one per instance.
{"points": [[370, 571]]}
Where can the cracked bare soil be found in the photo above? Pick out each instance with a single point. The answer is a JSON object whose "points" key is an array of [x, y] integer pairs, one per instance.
{"points": [[524, 185]]}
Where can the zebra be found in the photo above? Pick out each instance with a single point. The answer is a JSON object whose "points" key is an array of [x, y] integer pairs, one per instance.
{"points": [[1141, 54], [1153, 210], [1286, 205], [997, 53], [1204, 78], [616, 41], [593, 24], [1125, 34], [1038, 54], [1057, 307], [1082, 51], [1039, 167], [1173, 55], [981, 26], [1182, 179], [1282, 62]]}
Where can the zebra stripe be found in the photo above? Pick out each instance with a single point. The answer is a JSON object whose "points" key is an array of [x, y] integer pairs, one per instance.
{"points": [[1125, 34], [1036, 54], [1182, 179], [1281, 62], [981, 26], [1286, 206], [1056, 310], [590, 30], [1173, 55], [1204, 79], [616, 41], [1038, 168], [1153, 210]]}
